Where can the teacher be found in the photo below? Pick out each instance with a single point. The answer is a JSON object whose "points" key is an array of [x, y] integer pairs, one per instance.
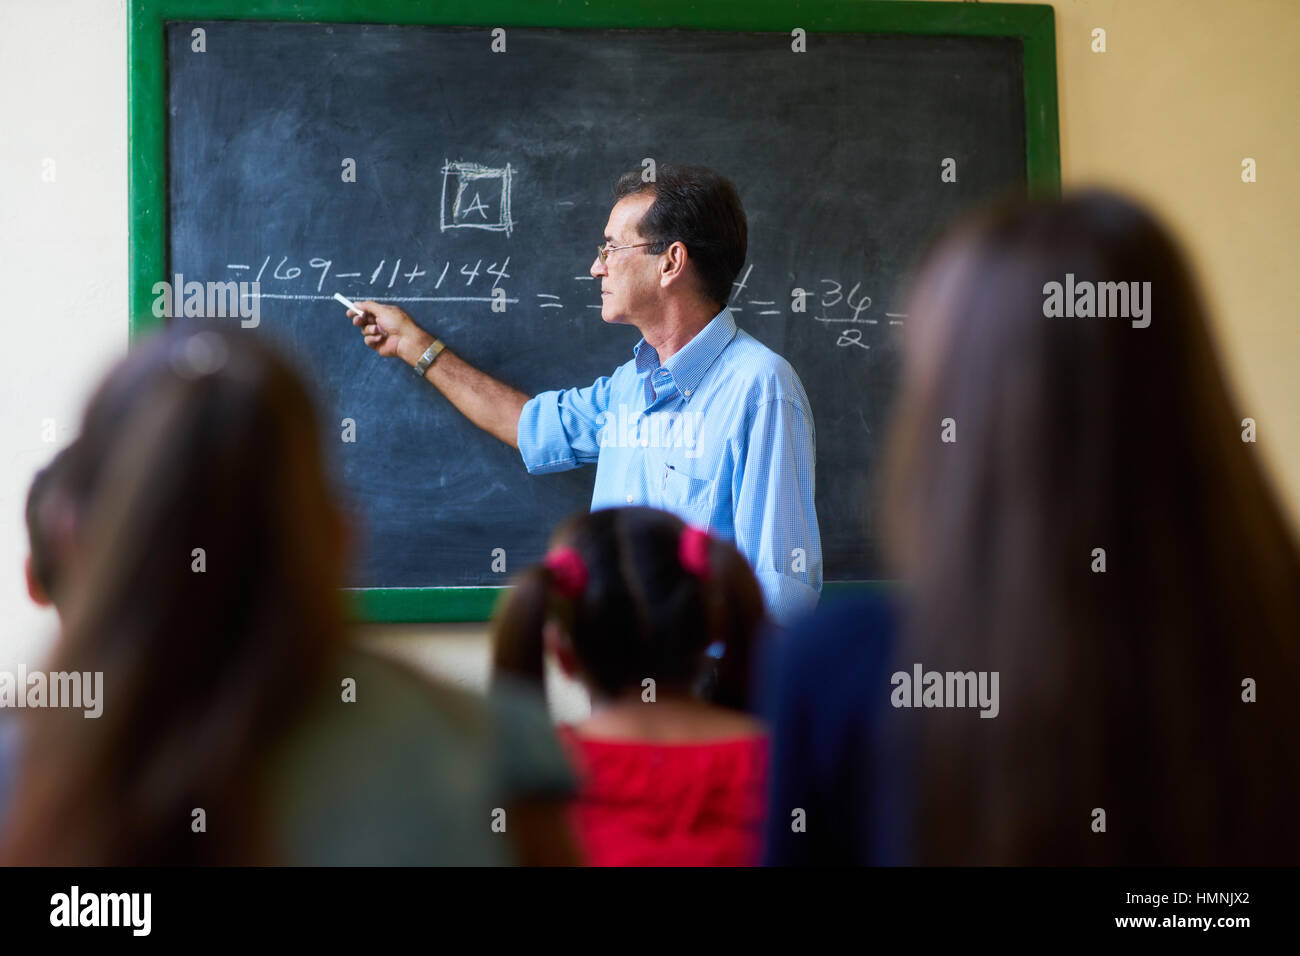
{"points": [[703, 421]]}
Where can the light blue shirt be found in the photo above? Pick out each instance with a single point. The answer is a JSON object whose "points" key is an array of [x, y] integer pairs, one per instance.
{"points": [[721, 435]]}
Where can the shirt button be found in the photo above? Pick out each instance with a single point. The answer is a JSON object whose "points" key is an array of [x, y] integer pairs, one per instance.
{"points": [[687, 393], [629, 499]]}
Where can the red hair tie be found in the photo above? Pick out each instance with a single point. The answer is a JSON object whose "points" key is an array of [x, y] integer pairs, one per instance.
{"points": [[568, 570], [693, 551]]}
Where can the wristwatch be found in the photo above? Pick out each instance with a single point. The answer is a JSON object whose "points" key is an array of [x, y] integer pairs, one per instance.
{"points": [[427, 359]]}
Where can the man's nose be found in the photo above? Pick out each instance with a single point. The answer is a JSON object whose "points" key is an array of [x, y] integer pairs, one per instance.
{"points": [[598, 267]]}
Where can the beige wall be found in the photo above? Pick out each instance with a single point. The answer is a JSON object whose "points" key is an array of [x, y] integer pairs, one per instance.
{"points": [[1186, 90]]}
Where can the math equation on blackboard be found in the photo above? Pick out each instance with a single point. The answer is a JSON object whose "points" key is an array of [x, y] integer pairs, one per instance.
{"points": [[844, 310]]}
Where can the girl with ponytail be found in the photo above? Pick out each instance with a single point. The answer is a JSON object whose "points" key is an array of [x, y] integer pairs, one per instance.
{"points": [[629, 601]]}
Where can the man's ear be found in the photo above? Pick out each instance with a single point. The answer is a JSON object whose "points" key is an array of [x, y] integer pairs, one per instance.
{"points": [[34, 589], [673, 266], [555, 641]]}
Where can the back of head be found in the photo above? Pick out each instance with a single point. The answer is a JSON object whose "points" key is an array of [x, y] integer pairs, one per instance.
{"points": [[1072, 506], [643, 609], [210, 552], [701, 209], [47, 538]]}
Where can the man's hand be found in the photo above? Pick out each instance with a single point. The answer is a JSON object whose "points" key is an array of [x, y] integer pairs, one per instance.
{"points": [[390, 331]]}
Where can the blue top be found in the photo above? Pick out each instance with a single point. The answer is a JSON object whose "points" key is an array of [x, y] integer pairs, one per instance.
{"points": [[721, 435], [840, 752]]}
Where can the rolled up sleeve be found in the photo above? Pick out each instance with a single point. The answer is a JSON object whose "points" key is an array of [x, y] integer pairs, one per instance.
{"points": [[559, 430], [776, 519]]}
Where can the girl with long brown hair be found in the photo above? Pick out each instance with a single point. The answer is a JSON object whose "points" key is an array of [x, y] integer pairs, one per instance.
{"points": [[1072, 507], [205, 586]]}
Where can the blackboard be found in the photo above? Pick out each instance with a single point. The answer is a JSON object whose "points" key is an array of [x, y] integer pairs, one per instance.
{"points": [[837, 153]]}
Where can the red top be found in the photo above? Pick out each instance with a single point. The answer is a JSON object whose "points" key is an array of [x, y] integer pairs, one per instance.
{"points": [[645, 804]]}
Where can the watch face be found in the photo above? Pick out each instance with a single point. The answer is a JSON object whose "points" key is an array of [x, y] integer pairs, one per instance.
{"points": [[427, 358]]}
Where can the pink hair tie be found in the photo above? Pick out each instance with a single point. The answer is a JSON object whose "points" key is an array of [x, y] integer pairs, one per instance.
{"points": [[569, 571], [693, 552]]}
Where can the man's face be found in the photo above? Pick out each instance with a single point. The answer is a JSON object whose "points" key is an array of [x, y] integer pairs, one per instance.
{"points": [[629, 279]]}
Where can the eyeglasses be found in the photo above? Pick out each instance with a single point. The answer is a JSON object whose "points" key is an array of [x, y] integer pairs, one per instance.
{"points": [[607, 248]]}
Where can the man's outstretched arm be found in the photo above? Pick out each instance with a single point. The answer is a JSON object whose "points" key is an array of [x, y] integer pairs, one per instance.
{"points": [[489, 403]]}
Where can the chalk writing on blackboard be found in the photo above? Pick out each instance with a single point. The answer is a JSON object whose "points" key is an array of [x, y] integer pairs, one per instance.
{"points": [[851, 337], [475, 197], [395, 280]]}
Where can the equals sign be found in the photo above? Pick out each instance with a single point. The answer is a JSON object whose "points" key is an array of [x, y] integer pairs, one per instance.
{"points": [[549, 305]]}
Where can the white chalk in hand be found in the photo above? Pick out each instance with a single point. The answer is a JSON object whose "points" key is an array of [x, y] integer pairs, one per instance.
{"points": [[349, 303]]}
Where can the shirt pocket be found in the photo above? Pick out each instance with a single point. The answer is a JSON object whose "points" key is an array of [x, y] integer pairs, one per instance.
{"points": [[690, 498]]}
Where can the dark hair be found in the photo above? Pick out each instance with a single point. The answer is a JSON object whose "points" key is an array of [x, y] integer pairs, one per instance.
{"points": [[44, 498], [697, 207], [198, 439], [1122, 689], [642, 614]]}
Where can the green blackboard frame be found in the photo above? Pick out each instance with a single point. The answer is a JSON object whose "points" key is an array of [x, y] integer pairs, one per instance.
{"points": [[1033, 24]]}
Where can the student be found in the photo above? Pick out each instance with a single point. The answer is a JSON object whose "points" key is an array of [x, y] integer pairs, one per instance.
{"points": [[47, 533], [1095, 531], [237, 725], [46, 540], [628, 601]]}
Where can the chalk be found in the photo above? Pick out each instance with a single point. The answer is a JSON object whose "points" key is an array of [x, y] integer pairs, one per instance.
{"points": [[349, 303]]}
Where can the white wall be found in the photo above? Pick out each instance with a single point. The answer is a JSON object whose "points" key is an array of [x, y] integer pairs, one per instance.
{"points": [[62, 253]]}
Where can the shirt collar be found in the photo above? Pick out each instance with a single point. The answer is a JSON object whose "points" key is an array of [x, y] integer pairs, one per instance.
{"points": [[690, 363]]}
